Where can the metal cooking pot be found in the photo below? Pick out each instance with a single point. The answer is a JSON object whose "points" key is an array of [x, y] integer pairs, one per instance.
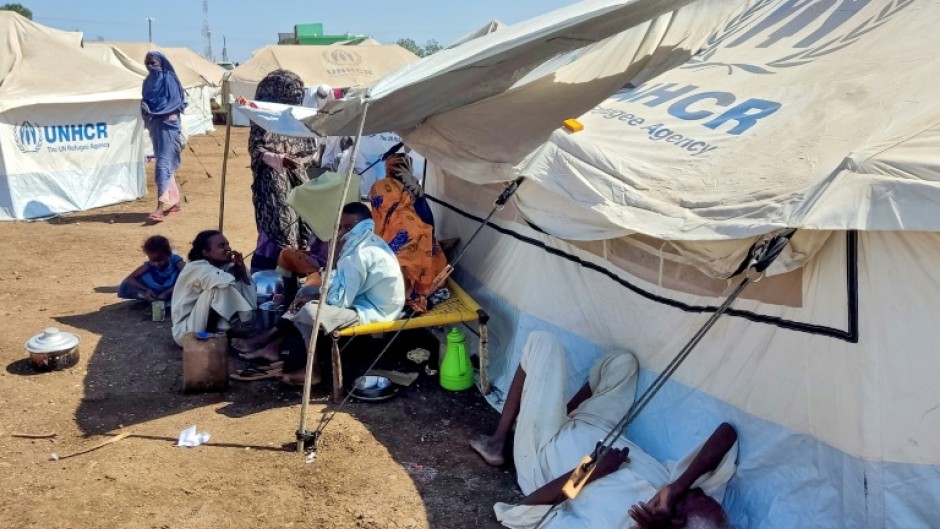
{"points": [[52, 350], [269, 312], [267, 283]]}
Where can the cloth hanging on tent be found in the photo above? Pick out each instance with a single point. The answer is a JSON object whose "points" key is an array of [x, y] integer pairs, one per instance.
{"points": [[317, 201]]}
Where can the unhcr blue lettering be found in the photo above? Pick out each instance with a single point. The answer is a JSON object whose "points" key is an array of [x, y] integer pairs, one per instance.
{"points": [[745, 115], [76, 132], [659, 93], [680, 109]]}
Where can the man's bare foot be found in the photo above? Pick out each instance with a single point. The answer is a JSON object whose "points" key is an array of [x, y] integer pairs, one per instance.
{"points": [[248, 347], [491, 452], [270, 352], [297, 378]]}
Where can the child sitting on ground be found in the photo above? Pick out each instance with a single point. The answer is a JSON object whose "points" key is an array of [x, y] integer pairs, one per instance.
{"points": [[153, 280]]}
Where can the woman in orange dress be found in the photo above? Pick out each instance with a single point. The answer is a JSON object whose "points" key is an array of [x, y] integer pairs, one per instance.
{"points": [[410, 237]]}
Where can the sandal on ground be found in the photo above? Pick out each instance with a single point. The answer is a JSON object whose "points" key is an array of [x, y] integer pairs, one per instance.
{"points": [[154, 218], [252, 373], [175, 208]]}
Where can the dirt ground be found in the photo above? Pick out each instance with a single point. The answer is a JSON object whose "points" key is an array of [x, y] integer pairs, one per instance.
{"points": [[403, 463]]}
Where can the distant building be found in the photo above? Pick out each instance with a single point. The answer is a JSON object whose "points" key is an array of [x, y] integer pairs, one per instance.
{"points": [[312, 35]]}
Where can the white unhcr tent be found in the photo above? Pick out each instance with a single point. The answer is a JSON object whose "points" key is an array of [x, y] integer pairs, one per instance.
{"points": [[738, 118], [201, 79], [337, 66], [71, 137]]}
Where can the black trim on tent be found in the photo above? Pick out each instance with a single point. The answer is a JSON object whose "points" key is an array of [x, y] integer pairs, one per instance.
{"points": [[851, 334]]}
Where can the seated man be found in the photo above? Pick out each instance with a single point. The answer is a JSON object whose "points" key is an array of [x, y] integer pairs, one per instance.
{"points": [[366, 286], [552, 437]]}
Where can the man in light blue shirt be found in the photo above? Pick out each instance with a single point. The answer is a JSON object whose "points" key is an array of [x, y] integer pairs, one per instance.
{"points": [[368, 278], [367, 286]]}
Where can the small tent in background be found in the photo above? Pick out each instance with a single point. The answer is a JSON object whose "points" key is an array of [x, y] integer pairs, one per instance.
{"points": [[71, 136], [338, 66], [738, 118], [201, 79]]}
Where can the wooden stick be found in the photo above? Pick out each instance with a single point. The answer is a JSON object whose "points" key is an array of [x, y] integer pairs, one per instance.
{"points": [[34, 435], [228, 140], [103, 444]]}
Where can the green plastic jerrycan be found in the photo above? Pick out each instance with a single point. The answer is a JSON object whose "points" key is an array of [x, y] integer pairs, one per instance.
{"points": [[456, 370]]}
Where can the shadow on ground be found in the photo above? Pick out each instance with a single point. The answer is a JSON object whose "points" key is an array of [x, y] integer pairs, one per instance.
{"points": [[104, 218], [135, 375]]}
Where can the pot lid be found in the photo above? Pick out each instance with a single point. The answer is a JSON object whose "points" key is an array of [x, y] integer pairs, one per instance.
{"points": [[51, 340]]}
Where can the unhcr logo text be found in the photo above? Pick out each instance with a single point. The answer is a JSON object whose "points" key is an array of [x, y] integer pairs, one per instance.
{"points": [[77, 137]]}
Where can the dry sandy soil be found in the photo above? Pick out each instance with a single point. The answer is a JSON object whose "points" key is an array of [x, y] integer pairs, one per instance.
{"points": [[404, 463]]}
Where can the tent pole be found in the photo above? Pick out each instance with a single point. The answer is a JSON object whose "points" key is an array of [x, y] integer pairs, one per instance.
{"points": [[325, 288], [228, 140]]}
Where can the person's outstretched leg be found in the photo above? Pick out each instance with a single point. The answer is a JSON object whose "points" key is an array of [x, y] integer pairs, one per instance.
{"points": [[491, 448], [535, 403]]}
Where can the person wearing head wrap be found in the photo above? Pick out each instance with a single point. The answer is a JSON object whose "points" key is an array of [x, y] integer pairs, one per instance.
{"points": [[407, 232], [276, 169], [162, 103]]}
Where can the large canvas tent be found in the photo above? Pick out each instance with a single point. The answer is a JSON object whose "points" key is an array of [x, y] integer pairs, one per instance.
{"points": [[738, 118], [71, 137], [201, 79], [338, 66]]}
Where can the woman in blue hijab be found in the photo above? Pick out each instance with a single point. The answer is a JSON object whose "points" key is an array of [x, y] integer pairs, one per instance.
{"points": [[162, 104]]}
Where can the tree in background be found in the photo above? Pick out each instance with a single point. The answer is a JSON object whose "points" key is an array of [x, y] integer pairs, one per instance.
{"points": [[18, 8], [412, 46], [430, 47]]}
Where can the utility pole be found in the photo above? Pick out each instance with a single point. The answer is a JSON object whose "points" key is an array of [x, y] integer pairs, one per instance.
{"points": [[206, 32], [150, 29]]}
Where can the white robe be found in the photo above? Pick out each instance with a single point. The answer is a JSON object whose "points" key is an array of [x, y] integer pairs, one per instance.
{"points": [[202, 286], [549, 443]]}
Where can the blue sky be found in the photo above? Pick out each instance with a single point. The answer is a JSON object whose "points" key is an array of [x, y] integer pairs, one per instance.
{"points": [[250, 25]]}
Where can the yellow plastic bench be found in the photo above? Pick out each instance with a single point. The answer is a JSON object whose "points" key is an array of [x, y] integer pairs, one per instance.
{"points": [[459, 308]]}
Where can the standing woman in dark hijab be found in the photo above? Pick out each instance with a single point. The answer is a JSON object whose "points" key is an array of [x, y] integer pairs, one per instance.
{"points": [[162, 104], [276, 170]]}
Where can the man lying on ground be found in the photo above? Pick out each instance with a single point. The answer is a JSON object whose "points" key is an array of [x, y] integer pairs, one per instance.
{"points": [[552, 436], [366, 287]]}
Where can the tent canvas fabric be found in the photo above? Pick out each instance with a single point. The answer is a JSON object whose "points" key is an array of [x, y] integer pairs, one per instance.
{"points": [[337, 66], [64, 145], [491, 64], [490, 27]]}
